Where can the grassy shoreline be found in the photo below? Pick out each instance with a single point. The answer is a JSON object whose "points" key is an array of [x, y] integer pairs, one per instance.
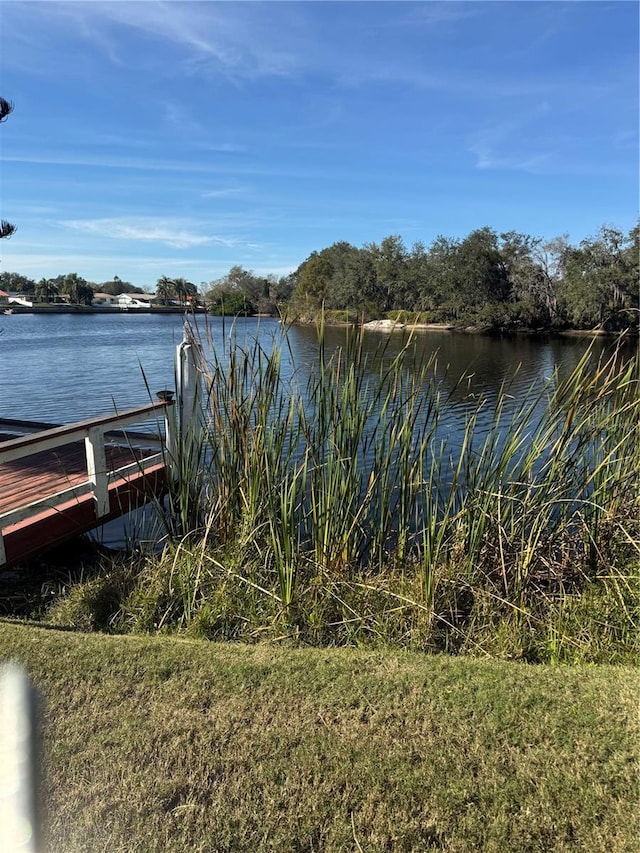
{"points": [[160, 744]]}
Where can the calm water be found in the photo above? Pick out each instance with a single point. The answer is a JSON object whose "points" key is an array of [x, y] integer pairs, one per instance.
{"points": [[64, 367], [60, 368]]}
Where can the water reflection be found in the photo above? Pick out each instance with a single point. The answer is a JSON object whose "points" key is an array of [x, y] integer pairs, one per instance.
{"points": [[63, 367], [486, 363]]}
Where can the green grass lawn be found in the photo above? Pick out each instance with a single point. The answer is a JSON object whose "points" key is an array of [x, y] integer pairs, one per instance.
{"points": [[162, 744]]}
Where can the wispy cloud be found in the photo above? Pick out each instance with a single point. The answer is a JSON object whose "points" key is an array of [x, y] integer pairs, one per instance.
{"points": [[560, 155], [224, 192], [148, 229], [244, 41], [488, 158], [507, 144], [434, 15], [237, 39], [181, 117], [194, 165]]}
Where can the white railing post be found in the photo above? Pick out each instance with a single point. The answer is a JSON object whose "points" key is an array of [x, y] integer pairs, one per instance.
{"points": [[97, 469]]}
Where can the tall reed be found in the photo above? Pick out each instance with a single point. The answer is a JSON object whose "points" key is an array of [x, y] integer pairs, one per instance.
{"points": [[338, 508]]}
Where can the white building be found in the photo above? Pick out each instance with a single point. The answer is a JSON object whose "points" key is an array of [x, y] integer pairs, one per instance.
{"points": [[122, 300]]}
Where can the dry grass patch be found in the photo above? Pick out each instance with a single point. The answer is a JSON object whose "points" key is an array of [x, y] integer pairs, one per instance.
{"points": [[159, 744]]}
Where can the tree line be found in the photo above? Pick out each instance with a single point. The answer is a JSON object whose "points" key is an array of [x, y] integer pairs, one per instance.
{"points": [[507, 280], [503, 281], [79, 291]]}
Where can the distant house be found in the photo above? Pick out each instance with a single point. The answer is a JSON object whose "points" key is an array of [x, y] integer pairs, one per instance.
{"points": [[134, 300], [20, 299], [122, 300], [4, 297], [103, 299]]}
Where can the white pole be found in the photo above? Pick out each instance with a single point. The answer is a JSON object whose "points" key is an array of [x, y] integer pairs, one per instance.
{"points": [[188, 356]]}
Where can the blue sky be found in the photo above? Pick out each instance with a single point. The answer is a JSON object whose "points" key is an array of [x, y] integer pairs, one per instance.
{"points": [[181, 138]]}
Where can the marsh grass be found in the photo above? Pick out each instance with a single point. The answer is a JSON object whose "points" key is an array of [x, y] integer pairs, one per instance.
{"points": [[337, 508]]}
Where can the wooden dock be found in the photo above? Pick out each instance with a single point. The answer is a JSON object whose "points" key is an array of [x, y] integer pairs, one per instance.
{"points": [[59, 481]]}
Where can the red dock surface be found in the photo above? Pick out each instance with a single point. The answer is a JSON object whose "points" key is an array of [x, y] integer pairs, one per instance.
{"points": [[37, 485]]}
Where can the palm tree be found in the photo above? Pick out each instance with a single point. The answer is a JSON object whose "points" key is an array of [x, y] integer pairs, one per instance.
{"points": [[46, 290], [184, 289], [181, 291], [6, 228], [165, 289]]}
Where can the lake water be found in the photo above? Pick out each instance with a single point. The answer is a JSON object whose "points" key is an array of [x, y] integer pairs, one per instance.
{"points": [[65, 367], [60, 368]]}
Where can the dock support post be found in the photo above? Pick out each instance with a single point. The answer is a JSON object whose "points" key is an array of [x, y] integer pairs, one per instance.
{"points": [[188, 384], [188, 355], [97, 470]]}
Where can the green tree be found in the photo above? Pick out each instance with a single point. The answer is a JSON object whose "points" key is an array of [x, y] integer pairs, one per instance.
{"points": [[240, 291], [477, 277], [224, 300], [280, 289], [185, 291], [261, 293], [46, 290], [75, 287], [438, 280], [422, 275], [116, 286], [532, 285], [356, 287], [314, 278], [391, 288], [14, 281], [165, 289], [326, 278], [600, 282]]}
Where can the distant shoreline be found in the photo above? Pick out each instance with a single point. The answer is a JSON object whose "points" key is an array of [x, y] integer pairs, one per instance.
{"points": [[388, 326], [91, 309], [383, 325], [391, 326]]}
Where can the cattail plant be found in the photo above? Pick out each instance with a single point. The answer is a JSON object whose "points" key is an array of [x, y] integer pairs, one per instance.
{"points": [[338, 506]]}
